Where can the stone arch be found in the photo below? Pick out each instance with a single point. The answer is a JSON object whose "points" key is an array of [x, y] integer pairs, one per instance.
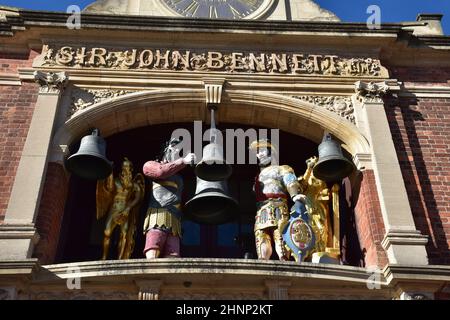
{"points": [[184, 105]]}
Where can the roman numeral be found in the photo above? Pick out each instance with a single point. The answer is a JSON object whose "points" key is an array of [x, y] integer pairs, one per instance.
{"points": [[250, 4], [236, 13], [191, 9], [213, 12]]}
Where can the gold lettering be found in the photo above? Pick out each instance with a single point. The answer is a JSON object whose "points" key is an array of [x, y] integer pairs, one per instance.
{"points": [[98, 54], [145, 58], [297, 61], [215, 60], [65, 55], [81, 56], [131, 59], [315, 59], [278, 64], [236, 61], [164, 57], [257, 63], [329, 65], [178, 58]]}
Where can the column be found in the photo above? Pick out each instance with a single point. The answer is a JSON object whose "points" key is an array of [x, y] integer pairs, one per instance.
{"points": [[403, 243], [18, 235]]}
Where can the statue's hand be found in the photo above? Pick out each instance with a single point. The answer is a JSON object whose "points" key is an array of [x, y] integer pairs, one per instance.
{"points": [[311, 162], [299, 197], [190, 159]]}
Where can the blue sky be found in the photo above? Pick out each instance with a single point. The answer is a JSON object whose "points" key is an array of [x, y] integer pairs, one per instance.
{"points": [[347, 10]]}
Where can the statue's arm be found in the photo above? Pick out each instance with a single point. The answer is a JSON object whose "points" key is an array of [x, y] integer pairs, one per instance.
{"points": [[157, 171], [291, 183], [138, 195]]}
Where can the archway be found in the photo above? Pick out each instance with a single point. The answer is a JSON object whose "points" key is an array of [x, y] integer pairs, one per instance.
{"points": [[138, 111]]}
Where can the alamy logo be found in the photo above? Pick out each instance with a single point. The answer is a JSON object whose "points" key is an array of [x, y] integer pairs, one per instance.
{"points": [[374, 20], [74, 279], [74, 20], [237, 151]]}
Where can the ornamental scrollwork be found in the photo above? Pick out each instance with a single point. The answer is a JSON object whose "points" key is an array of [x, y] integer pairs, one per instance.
{"points": [[340, 105]]}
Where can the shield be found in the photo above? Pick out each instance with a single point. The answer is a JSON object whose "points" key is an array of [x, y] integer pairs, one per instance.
{"points": [[298, 235]]}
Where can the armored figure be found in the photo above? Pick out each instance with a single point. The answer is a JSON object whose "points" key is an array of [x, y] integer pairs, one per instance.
{"points": [[274, 185], [162, 226], [120, 198]]}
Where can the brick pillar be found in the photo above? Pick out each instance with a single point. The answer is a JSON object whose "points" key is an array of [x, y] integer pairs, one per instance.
{"points": [[369, 222], [51, 211]]}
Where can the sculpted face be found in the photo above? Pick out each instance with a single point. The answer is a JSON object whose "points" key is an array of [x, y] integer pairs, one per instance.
{"points": [[263, 155], [126, 176]]}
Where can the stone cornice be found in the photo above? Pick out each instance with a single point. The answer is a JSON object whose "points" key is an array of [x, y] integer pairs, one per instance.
{"points": [[411, 273], [18, 267], [17, 19], [172, 267]]}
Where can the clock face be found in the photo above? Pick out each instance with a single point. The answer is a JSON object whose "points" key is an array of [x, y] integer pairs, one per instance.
{"points": [[215, 9]]}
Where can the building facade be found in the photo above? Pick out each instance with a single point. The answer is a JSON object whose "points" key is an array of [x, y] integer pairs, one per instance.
{"points": [[137, 70]]}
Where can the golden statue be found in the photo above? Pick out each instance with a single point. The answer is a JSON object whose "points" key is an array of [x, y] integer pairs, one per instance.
{"points": [[317, 204], [120, 198]]}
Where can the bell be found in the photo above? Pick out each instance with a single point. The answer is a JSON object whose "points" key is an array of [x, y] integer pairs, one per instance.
{"points": [[211, 204], [90, 161], [213, 166], [332, 166]]}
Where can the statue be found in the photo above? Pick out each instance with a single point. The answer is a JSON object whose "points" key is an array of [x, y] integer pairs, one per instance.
{"points": [[274, 185], [324, 246], [316, 201], [162, 226], [120, 198]]}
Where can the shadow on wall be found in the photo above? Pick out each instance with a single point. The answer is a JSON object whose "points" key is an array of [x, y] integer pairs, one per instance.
{"points": [[412, 138]]}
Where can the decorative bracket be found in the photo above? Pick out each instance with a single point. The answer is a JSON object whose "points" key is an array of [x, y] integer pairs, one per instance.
{"points": [[371, 92], [50, 82], [213, 90]]}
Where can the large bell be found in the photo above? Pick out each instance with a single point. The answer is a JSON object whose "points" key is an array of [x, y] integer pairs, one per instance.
{"points": [[90, 161], [332, 166], [213, 166], [211, 204]]}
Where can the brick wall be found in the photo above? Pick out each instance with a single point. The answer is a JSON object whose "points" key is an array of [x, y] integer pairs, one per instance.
{"points": [[11, 62], [16, 109], [369, 222], [51, 211], [421, 133]]}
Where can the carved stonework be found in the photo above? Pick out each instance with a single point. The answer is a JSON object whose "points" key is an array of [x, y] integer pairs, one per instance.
{"points": [[211, 296], [190, 60], [416, 296], [82, 295], [213, 90], [51, 82], [84, 98], [342, 106], [278, 290], [371, 92], [149, 290]]}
